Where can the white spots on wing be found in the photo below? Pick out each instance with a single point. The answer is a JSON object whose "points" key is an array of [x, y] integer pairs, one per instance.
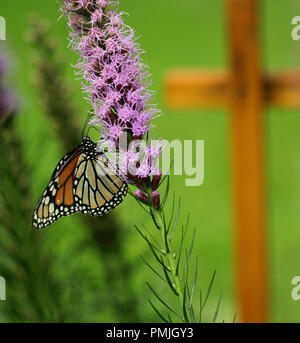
{"points": [[79, 189], [92, 199], [85, 194], [51, 208]]}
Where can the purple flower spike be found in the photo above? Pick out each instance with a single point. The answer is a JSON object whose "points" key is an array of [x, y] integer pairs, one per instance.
{"points": [[156, 199], [116, 80], [113, 73], [141, 196]]}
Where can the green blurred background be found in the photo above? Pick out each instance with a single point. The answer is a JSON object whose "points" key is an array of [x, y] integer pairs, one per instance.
{"points": [[174, 34]]}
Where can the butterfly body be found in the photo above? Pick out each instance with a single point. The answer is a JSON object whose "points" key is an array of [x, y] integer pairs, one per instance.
{"points": [[84, 181]]}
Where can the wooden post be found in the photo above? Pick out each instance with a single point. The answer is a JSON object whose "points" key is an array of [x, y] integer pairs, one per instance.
{"points": [[210, 89], [245, 90], [246, 102]]}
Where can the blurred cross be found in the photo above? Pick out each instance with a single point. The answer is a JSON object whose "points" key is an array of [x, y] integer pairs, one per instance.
{"points": [[245, 90]]}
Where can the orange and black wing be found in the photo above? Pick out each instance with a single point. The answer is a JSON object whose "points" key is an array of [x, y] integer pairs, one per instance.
{"points": [[98, 188], [58, 198], [82, 182]]}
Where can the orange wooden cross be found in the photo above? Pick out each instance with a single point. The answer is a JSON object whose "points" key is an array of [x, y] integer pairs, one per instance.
{"points": [[245, 90]]}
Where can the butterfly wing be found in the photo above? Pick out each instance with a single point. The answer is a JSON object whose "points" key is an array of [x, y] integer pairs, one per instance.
{"points": [[97, 186], [84, 181], [58, 199]]}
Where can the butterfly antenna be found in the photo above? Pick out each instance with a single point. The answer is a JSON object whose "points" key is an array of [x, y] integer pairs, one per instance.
{"points": [[86, 123], [95, 128]]}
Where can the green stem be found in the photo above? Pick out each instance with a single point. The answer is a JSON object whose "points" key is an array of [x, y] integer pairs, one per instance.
{"points": [[169, 255]]}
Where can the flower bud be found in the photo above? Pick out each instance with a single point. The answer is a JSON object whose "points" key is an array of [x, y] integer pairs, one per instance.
{"points": [[156, 180], [156, 199], [142, 197]]}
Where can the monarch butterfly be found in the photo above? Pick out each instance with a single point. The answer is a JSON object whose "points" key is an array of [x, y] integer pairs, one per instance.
{"points": [[83, 181]]}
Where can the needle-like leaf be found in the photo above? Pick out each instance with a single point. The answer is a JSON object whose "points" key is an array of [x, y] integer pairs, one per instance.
{"points": [[218, 308], [158, 313], [164, 303], [154, 271]]}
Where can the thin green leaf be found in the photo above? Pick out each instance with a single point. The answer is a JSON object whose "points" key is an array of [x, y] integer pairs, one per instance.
{"points": [[166, 194], [154, 271], [168, 278], [151, 246], [158, 313], [164, 303], [209, 289], [188, 256], [180, 252], [176, 221], [184, 306], [166, 241], [194, 282], [164, 221], [186, 268], [152, 236], [192, 313], [172, 214], [218, 307], [200, 307], [154, 253], [146, 238], [187, 223], [190, 306], [154, 219]]}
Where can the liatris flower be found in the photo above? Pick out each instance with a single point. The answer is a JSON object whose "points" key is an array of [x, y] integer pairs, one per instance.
{"points": [[116, 80], [114, 75], [117, 83]]}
